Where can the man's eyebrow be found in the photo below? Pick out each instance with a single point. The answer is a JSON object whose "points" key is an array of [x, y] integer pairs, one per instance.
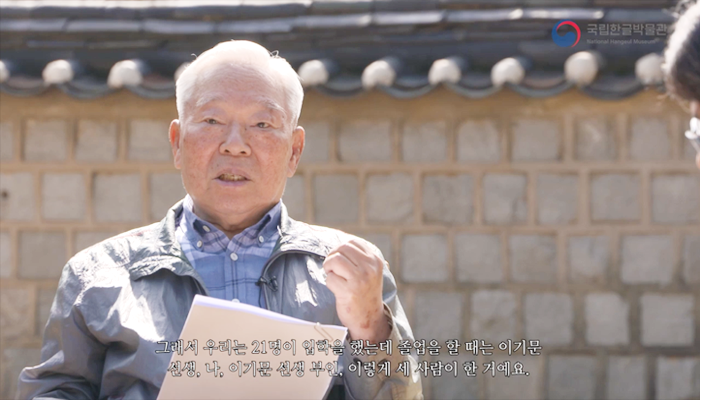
{"points": [[272, 105], [264, 101], [211, 99]]}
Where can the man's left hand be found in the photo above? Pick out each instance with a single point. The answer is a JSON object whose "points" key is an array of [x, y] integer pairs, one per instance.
{"points": [[354, 275]]}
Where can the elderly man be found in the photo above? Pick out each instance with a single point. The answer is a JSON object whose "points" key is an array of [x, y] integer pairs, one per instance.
{"points": [[236, 142]]}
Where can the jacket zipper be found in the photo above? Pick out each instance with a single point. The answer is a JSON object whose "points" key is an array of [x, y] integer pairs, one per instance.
{"points": [[264, 287], [270, 261]]}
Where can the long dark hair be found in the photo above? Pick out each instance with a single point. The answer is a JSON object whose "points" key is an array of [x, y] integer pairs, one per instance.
{"points": [[681, 57]]}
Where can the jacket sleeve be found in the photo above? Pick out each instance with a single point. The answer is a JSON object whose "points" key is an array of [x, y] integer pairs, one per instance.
{"points": [[397, 385], [71, 357]]}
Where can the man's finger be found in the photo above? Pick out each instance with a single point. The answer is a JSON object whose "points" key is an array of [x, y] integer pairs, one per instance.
{"points": [[358, 254], [335, 283], [339, 264], [364, 245]]}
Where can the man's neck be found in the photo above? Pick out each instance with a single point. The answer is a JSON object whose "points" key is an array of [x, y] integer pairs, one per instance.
{"points": [[230, 228]]}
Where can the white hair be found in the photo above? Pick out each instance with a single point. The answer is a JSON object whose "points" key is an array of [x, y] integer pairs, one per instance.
{"points": [[243, 52]]}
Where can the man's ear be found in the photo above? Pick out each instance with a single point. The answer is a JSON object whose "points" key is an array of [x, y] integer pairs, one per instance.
{"points": [[297, 148], [174, 137]]}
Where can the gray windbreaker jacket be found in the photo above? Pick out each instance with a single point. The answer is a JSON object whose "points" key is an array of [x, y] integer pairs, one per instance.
{"points": [[118, 298]]}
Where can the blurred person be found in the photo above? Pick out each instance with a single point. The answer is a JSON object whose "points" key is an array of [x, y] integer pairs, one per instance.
{"points": [[681, 65], [236, 141]]}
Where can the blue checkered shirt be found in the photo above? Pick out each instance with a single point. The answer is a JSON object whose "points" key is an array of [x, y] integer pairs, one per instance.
{"points": [[229, 268]]}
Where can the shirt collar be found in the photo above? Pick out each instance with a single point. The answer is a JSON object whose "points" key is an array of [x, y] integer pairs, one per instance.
{"points": [[212, 239]]}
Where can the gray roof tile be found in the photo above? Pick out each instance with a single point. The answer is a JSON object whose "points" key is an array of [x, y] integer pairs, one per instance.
{"points": [[257, 26], [124, 44], [557, 3], [32, 25], [333, 21], [576, 14], [54, 44], [102, 25], [170, 27], [353, 33], [463, 16], [404, 5], [453, 4], [49, 10], [273, 8], [633, 16], [340, 6], [408, 18]]}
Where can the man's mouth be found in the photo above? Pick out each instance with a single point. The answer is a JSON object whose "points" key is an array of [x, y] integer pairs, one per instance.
{"points": [[232, 178]]}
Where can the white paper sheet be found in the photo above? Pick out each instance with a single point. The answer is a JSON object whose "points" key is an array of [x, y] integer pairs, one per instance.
{"points": [[219, 320]]}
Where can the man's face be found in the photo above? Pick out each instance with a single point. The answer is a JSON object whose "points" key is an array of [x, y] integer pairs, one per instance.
{"points": [[235, 145]]}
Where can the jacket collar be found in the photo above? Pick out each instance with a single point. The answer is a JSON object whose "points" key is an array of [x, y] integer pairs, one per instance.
{"points": [[299, 236], [159, 247]]}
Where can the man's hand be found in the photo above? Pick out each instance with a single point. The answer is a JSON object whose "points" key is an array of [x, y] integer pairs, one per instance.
{"points": [[354, 275]]}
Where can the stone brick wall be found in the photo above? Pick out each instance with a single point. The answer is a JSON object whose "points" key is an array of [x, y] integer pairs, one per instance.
{"points": [[567, 220]]}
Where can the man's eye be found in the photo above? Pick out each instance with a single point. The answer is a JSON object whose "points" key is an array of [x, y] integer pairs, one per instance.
{"points": [[211, 121], [263, 125]]}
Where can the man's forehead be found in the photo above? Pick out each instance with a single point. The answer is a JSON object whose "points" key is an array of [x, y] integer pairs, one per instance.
{"points": [[260, 101], [218, 81], [235, 70]]}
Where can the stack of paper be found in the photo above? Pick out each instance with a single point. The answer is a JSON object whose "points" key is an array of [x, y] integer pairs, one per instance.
{"points": [[245, 352]]}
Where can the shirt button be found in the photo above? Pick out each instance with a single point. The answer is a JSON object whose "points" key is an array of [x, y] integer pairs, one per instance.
{"points": [[199, 243], [261, 239], [234, 257], [206, 228]]}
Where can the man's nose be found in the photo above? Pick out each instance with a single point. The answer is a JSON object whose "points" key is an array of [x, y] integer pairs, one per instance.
{"points": [[235, 142]]}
